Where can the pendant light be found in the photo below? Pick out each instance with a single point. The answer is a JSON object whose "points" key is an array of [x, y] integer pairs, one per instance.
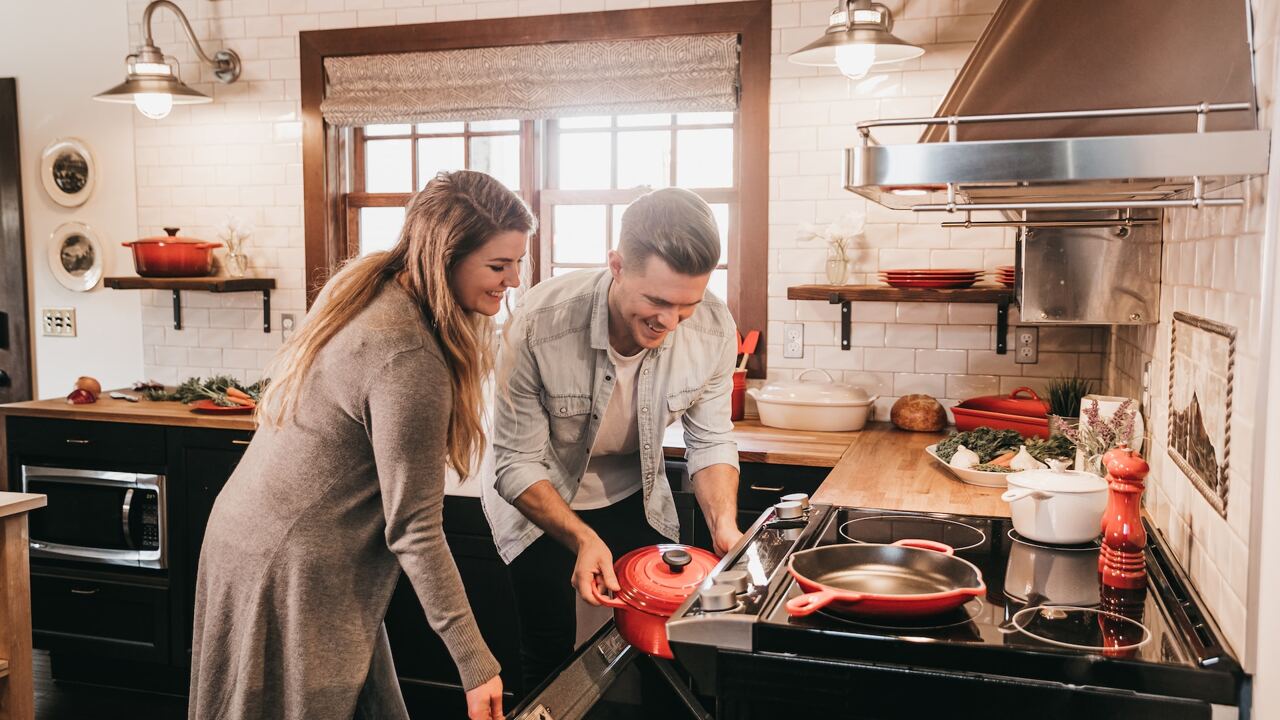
{"points": [[858, 37], [152, 83]]}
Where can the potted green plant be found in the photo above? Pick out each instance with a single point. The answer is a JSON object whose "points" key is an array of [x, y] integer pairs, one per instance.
{"points": [[1065, 394]]}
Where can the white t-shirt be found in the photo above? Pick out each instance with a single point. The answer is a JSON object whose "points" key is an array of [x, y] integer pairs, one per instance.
{"points": [[613, 472]]}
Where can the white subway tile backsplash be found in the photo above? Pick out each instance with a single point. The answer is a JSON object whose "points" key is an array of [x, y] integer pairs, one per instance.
{"points": [[837, 359], [911, 336], [941, 361], [910, 383], [922, 313], [965, 337]]}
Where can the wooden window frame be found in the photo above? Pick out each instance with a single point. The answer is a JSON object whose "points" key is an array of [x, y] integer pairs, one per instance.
{"points": [[326, 149]]}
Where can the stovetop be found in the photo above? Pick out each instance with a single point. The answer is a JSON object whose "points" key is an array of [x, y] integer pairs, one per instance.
{"points": [[1045, 615]]}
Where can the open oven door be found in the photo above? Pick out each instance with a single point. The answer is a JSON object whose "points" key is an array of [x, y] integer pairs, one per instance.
{"points": [[608, 678]]}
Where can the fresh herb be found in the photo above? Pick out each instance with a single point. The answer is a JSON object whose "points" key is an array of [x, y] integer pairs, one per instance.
{"points": [[986, 442], [988, 467], [1056, 447], [1065, 394], [215, 389]]}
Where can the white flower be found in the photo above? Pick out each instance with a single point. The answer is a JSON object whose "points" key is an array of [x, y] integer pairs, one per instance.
{"points": [[841, 235]]}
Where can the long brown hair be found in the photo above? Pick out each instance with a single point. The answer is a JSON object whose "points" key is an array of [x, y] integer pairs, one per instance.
{"points": [[450, 218]]}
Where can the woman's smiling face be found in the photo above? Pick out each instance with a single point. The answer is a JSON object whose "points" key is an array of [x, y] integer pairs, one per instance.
{"points": [[480, 280]]}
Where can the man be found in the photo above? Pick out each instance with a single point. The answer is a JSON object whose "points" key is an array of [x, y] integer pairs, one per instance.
{"points": [[594, 367]]}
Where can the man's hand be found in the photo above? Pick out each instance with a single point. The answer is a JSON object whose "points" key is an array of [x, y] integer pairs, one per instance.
{"points": [[594, 568], [484, 701], [725, 538]]}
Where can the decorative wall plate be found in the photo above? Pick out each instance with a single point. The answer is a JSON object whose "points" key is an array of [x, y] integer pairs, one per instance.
{"points": [[76, 256], [68, 172]]}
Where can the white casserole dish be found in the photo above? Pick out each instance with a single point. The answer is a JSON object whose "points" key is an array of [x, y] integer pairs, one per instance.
{"points": [[825, 406], [1059, 507]]}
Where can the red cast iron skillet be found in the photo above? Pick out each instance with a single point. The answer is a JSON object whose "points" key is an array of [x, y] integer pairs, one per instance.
{"points": [[906, 579]]}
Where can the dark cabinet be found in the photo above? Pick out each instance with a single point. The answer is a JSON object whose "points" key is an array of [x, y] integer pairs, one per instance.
{"points": [[100, 614]]}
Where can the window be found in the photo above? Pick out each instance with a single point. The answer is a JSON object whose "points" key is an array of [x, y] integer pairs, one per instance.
{"points": [[391, 162], [349, 209], [594, 168]]}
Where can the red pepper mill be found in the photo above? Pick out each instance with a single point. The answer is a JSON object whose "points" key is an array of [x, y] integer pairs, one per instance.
{"points": [[1120, 561]]}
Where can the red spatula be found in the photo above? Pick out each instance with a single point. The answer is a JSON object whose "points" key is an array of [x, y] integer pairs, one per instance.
{"points": [[748, 346]]}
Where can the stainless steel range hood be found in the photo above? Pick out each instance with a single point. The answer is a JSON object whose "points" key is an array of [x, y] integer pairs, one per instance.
{"points": [[1082, 104]]}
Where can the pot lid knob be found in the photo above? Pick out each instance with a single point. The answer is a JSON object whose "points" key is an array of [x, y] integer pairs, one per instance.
{"points": [[719, 598], [736, 579], [788, 510], [172, 232], [802, 498], [676, 560]]}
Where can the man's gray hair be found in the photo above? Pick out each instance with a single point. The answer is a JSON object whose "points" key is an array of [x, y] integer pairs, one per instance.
{"points": [[674, 224]]}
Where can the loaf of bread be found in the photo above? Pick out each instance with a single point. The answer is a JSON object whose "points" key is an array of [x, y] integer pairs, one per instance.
{"points": [[920, 413]]}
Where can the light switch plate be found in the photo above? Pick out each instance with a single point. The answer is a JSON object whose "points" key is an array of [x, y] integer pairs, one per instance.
{"points": [[793, 340], [58, 322], [1026, 344]]}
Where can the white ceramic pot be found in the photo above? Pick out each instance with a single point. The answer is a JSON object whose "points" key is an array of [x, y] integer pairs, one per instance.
{"points": [[799, 405], [1060, 507], [1051, 577]]}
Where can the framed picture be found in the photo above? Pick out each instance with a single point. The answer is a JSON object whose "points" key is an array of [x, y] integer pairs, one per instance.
{"points": [[1201, 374], [68, 172], [76, 256]]}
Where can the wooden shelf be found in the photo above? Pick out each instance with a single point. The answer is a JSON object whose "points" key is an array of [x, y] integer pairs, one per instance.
{"points": [[845, 295], [884, 293], [204, 284], [207, 284]]}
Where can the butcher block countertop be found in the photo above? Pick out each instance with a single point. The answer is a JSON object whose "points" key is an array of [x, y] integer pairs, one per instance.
{"points": [[143, 412], [878, 467], [887, 468]]}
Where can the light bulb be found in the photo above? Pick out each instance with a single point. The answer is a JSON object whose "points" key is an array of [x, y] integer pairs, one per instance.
{"points": [[855, 61], [153, 105]]}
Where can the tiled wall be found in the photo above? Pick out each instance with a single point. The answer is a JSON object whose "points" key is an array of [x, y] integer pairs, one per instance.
{"points": [[1212, 268], [241, 156]]}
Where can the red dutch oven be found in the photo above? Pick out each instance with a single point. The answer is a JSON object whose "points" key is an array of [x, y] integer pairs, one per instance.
{"points": [[1021, 411], [909, 578], [655, 580], [172, 256]]}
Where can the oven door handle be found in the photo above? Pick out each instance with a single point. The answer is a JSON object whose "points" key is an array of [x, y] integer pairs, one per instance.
{"points": [[124, 518]]}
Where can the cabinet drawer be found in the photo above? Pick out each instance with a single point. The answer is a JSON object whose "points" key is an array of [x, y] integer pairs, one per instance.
{"points": [[100, 617], [88, 441], [763, 485]]}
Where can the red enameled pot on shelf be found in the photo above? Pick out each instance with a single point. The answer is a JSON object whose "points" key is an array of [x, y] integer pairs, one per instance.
{"points": [[655, 580], [172, 256]]}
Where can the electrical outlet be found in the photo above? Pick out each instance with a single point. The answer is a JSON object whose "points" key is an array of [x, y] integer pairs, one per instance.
{"points": [[793, 340], [1026, 344], [58, 322], [286, 325]]}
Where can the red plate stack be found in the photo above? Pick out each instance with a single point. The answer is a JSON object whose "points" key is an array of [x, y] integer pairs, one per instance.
{"points": [[927, 278], [1005, 275]]}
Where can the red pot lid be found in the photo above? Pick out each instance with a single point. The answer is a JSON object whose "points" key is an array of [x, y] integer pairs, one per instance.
{"points": [[170, 237], [1022, 401], [658, 578]]}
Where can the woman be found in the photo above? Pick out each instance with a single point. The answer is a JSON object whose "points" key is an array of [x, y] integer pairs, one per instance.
{"points": [[343, 483]]}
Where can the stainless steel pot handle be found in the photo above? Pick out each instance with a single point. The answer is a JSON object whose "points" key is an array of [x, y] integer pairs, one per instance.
{"points": [[124, 518]]}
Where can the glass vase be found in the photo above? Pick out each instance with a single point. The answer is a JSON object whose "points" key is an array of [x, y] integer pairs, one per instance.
{"points": [[237, 265], [837, 269]]}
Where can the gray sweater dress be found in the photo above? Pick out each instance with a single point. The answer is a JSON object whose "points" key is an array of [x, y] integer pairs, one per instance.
{"points": [[306, 541]]}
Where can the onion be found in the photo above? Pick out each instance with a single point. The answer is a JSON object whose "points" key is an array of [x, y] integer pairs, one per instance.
{"points": [[80, 396], [84, 382]]}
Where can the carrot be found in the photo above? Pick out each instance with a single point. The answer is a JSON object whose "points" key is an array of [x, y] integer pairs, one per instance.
{"points": [[243, 402], [1004, 459], [235, 392]]}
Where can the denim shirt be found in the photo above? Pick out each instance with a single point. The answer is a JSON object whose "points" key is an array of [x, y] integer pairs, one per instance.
{"points": [[555, 381]]}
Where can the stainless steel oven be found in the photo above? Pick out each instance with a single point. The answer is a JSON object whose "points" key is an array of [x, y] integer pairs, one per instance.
{"points": [[115, 518]]}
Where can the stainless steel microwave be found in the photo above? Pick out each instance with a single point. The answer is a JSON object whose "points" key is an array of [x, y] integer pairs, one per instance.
{"points": [[115, 518]]}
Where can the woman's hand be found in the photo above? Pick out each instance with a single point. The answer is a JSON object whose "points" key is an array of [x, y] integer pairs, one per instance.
{"points": [[484, 701]]}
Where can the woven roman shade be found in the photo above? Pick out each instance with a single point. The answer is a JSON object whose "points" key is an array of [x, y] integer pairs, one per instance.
{"points": [[683, 73]]}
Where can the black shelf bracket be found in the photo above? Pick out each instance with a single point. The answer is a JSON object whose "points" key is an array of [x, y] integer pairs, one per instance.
{"points": [[266, 310], [846, 319], [1002, 326]]}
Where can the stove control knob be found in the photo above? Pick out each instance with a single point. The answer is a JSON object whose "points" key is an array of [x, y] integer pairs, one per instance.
{"points": [[790, 510], [802, 498], [737, 579], [719, 598]]}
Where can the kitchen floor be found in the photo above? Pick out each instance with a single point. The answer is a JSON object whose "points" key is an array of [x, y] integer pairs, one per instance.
{"points": [[72, 701]]}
